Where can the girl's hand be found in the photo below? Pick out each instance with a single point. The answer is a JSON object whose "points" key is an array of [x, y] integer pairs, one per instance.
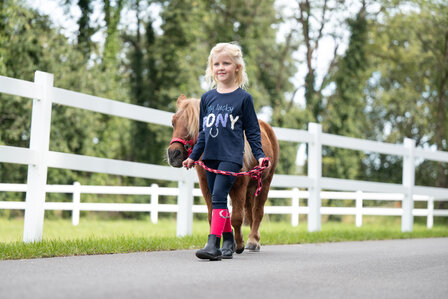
{"points": [[261, 160], [188, 163]]}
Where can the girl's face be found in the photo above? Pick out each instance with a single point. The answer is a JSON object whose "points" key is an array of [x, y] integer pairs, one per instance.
{"points": [[224, 69]]}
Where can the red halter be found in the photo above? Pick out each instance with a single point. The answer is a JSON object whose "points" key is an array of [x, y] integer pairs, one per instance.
{"points": [[188, 144]]}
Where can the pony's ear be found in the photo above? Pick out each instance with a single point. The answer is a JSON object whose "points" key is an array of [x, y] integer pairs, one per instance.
{"points": [[180, 99]]}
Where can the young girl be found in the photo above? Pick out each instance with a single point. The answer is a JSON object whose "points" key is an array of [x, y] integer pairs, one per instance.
{"points": [[226, 113]]}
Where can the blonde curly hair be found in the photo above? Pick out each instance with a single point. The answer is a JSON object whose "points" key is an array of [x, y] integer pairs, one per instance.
{"points": [[236, 54]]}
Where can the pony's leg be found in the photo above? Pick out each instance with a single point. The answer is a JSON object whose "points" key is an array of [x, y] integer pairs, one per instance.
{"points": [[205, 191], [253, 242], [238, 194], [250, 195]]}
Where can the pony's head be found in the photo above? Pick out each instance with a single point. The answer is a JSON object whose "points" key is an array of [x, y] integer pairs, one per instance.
{"points": [[185, 130]]}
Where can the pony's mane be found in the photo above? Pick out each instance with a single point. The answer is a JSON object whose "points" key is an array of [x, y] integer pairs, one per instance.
{"points": [[189, 108]]}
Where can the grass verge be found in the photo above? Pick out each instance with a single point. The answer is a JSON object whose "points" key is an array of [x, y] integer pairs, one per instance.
{"points": [[124, 236]]}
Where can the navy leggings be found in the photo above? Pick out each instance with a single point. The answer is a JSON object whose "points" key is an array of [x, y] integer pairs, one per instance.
{"points": [[219, 184]]}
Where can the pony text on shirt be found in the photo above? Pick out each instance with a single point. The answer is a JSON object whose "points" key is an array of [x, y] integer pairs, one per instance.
{"points": [[219, 115]]}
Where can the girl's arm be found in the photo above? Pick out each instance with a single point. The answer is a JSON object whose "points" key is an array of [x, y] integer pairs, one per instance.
{"points": [[252, 128]]}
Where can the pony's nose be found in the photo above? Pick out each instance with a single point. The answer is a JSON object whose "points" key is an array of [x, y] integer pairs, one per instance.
{"points": [[175, 157], [175, 154]]}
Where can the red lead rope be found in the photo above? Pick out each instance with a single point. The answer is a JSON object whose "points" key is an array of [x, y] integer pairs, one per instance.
{"points": [[255, 173]]}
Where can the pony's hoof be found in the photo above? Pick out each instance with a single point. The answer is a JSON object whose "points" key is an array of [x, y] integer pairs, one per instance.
{"points": [[239, 250], [253, 247]]}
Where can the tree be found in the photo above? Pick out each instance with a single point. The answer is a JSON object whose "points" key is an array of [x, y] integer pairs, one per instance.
{"points": [[409, 87], [346, 108], [33, 44], [112, 45], [311, 21], [85, 30], [148, 142]]}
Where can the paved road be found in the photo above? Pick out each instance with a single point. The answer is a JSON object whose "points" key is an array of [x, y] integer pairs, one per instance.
{"points": [[374, 269]]}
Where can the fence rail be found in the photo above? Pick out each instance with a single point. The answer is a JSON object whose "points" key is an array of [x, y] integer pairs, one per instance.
{"points": [[154, 207], [38, 157]]}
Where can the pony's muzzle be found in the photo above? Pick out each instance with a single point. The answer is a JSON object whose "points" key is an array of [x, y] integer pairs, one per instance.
{"points": [[175, 157]]}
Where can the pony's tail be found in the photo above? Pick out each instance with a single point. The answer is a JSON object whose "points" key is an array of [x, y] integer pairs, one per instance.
{"points": [[248, 158]]}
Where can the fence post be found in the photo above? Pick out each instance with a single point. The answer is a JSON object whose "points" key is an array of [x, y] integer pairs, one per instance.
{"points": [[76, 203], [407, 219], [295, 207], [430, 209], [154, 203], [37, 174], [185, 205], [315, 174], [359, 205]]}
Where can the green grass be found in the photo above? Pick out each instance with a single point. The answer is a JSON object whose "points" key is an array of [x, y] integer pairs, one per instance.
{"points": [[122, 236]]}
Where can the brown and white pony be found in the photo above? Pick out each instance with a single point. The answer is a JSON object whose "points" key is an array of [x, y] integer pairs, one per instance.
{"points": [[185, 131]]}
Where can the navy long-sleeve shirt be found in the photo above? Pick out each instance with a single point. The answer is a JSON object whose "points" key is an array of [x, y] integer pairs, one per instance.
{"points": [[223, 118]]}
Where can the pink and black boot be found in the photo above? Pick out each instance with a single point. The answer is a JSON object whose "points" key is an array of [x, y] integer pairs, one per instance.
{"points": [[228, 240], [211, 250]]}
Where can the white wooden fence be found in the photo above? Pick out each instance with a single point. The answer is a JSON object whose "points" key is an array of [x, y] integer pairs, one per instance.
{"points": [[154, 207], [38, 157]]}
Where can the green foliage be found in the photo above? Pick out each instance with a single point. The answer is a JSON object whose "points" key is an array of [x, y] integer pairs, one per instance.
{"points": [[345, 109], [408, 89], [112, 44], [35, 45], [85, 29]]}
